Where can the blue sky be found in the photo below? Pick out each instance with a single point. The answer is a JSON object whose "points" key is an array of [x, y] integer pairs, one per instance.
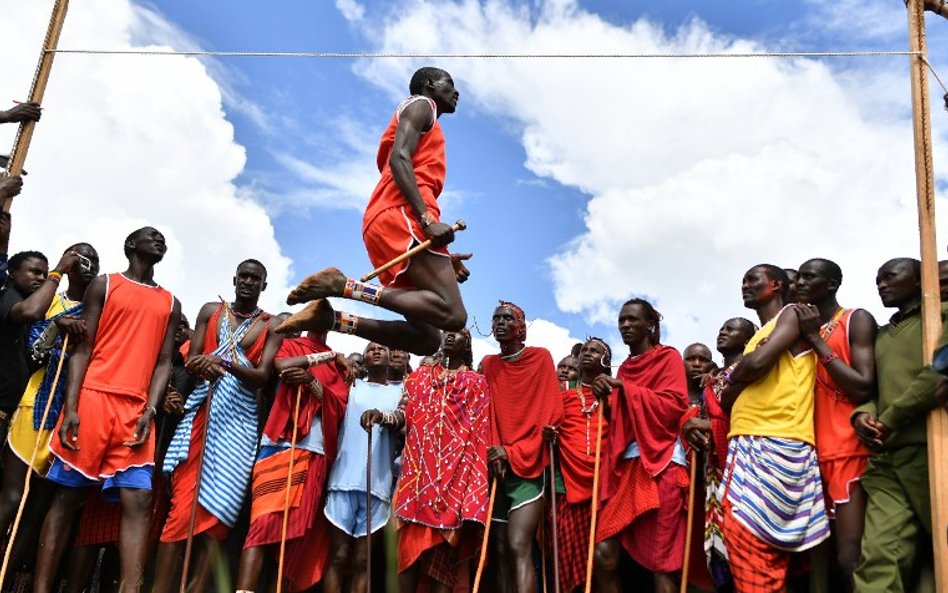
{"points": [[583, 182]]}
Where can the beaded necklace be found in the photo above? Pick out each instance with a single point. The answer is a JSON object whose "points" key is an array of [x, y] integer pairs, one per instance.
{"points": [[587, 411]]}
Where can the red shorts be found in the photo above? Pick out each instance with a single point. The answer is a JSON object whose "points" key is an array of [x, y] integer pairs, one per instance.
{"points": [[106, 422], [391, 233], [839, 475]]}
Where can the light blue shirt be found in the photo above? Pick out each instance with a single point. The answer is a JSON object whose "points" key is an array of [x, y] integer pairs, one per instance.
{"points": [[348, 471], [679, 456]]}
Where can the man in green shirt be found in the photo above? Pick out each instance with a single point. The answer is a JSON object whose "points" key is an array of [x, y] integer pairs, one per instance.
{"points": [[892, 425]]}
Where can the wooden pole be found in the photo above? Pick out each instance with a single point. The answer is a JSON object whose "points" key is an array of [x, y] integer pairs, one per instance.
{"points": [[25, 133], [590, 557], [553, 523], [692, 486], [368, 516], [289, 486], [931, 311], [189, 542], [482, 560], [29, 469]]}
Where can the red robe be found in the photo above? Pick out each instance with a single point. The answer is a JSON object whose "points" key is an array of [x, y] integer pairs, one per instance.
{"points": [[307, 546], [525, 397], [577, 442]]}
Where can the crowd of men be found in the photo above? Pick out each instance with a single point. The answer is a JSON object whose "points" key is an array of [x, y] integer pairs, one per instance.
{"points": [[813, 424], [805, 448]]}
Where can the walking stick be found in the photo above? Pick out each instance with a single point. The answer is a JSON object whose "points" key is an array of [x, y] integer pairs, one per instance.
{"points": [[458, 226], [189, 543], [692, 487], [595, 504], [556, 544], [29, 469], [25, 133], [289, 484], [483, 559], [543, 572], [368, 515]]}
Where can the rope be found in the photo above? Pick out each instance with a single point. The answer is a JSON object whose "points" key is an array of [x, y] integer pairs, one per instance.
{"points": [[938, 78], [486, 56]]}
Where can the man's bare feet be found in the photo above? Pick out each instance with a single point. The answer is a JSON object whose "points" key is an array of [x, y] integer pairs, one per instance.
{"points": [[318, 315], [327, 283]]}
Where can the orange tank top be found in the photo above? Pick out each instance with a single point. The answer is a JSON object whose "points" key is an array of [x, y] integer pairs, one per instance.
{"points": [[428, 161], [131, 331], [835, 438]]}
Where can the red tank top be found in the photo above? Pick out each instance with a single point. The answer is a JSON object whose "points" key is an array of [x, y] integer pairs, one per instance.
{"points": [[835, 438], [131, 331], [428, 162]]}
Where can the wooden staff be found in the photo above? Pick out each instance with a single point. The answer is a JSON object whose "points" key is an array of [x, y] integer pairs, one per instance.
{"points": [[931, 314], [25, 133], [692, 488], [458, 226], [29, 469], [556, 544], [289, 484], [368, 515], [595, 503], [483, 559]]}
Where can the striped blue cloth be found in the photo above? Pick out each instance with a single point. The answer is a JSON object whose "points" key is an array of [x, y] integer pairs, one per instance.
{"points": [[231, 446], [774, 488]]}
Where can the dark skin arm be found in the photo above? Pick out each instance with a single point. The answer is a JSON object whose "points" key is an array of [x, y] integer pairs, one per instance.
{"points": [[23, 112], [159, 380], [5, 225], [289, 369], [870, 432], [208, 366], [92, 304], [415, 120], [34, 307], [786, 336], [858, 380]]}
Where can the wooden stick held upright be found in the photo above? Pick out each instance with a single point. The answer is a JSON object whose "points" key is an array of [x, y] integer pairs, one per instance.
{"points": [[368, 515], [29, 469], [689, 531], [289, 485], [458, 226], [554, 529], [595, 503], [25, 133], [482, 561], [931, 313]]}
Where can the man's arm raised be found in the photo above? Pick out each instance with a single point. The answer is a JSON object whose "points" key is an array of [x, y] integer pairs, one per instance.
{"points": [[92, 304], [159, 380], [758, 363], [414, 120], [34, 307]]}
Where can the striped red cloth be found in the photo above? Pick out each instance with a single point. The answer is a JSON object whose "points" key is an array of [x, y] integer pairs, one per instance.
{"points": [[572, 535]]}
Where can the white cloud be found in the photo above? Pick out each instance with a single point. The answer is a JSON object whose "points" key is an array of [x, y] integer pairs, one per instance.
{"points": [[128, 141], [697, 169], [350, 9]]}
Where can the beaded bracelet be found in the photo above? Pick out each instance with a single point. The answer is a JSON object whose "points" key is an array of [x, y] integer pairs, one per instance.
{"points": [[825, 360], [55, 276], [319, 357]]}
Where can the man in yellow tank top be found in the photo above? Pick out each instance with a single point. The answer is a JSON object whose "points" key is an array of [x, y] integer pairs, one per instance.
{"points": [[773, 495]]}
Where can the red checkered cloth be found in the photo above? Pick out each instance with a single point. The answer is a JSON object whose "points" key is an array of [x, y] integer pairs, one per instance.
{"points": [[572, 535], [100, 521], [438, 553], [756, 566], [648, 516]]}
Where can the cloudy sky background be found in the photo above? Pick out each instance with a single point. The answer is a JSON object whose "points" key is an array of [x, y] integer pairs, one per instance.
{"points": [[583, 181]]}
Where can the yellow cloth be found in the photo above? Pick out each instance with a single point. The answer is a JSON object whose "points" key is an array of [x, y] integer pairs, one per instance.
{"points": [[22, 436], [779, 404]]}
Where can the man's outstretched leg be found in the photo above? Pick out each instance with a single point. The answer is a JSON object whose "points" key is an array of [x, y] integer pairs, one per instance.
{"points": [[435, 304]]}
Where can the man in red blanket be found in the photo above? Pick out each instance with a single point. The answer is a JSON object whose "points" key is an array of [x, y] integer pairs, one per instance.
{"points": [[441, 499], [576, 437], [644, 481], [310, 403], [525, 397]]}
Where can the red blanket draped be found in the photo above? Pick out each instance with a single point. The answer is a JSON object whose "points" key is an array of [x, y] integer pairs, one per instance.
{"points": [[577, 442], [649, 412], [333, 406], [444, 465], [525, 397]]}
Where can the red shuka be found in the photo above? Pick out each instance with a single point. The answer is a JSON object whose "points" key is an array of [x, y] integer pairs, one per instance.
{"points": [[577, 440], [525, 397], [648, 411]]}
